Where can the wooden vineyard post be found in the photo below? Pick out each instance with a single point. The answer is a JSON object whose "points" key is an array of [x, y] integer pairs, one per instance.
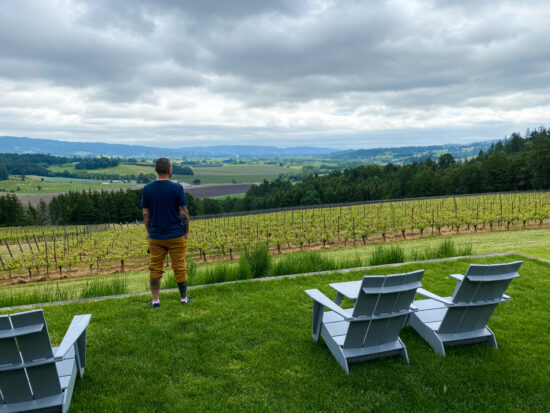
{"points": [[4, 267], [8, 247], [19, 243], [29, 242], [47, 260], [36, 242]]}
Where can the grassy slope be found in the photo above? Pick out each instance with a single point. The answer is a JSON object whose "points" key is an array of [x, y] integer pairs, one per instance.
{"points": [[532, 241], [535, 242], [30, 186], [247, 347]]}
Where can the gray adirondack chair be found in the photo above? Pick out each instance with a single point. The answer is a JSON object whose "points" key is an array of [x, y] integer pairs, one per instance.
{"points": [[34, 376], [371, 328], [462, 318]]}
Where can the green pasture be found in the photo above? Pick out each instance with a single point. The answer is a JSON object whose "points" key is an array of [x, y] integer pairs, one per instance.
{"points": [[33, 185], [247, 347], [121, 169], [226, 174], [63, 179], [246, 173], [232, 196]]}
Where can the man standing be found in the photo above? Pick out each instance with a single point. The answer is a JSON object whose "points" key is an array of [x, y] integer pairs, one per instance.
{"points": [[166, 218]]}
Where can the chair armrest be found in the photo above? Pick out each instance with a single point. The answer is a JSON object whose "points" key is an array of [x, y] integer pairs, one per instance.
{"points": [[322, 299], [458, 277], [75, 330], [433, 296], [506, 297]]}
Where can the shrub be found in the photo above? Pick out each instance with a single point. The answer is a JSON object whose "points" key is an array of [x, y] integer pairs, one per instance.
{"points": [[387, 255], [259, 261], [298, 263], [445, 249], [105, 286]]}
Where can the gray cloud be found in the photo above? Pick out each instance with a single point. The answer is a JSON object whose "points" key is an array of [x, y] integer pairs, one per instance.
{"points": [[292, 69]]}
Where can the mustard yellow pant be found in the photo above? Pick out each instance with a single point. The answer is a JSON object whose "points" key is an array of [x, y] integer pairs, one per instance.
{"points": [[177, 248]]}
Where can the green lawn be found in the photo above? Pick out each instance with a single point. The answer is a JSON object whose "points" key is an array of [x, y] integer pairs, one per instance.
{"points": [[531, 241], [33, 185], [247, 347]]}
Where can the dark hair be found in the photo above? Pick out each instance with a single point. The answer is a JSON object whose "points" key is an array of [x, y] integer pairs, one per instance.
{"points": [[163, 166]]}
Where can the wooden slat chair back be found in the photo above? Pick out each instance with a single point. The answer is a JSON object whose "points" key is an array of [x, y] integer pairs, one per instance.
{"points": [[463, 317], [382, 309], [371, 328], [32, 377], [477, 295]]}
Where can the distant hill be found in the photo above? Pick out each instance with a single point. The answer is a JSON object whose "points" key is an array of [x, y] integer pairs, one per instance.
{"points": [[407, 154], [11, 144]]}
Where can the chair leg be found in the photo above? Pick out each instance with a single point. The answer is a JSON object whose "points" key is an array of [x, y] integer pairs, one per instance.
{"points": [[492, 341], [318, 310], [403, 353], [335, 349], [427, 334], [438, 346]]}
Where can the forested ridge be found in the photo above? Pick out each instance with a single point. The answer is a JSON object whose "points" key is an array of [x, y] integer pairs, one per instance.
{"points": [[513, 164]]}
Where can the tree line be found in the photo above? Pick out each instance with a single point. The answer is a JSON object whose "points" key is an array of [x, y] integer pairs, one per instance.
{"points": [[97, 163]]}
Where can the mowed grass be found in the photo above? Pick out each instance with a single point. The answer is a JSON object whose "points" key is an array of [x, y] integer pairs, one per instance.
{"points": [[32, 186], [226, 174], [248, 347]]}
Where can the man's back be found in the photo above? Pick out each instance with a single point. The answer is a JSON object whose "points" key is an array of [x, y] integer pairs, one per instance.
{"points": [[164, 198]]}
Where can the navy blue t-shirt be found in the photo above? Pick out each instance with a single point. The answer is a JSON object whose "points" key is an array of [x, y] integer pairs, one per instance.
{"points": [[163, 199]]}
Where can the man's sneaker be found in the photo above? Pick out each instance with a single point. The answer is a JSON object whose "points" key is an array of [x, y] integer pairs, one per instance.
{"points": [[186, 300], [153, 304]]}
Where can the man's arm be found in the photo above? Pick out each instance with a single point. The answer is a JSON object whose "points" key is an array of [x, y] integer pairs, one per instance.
{"points": [[146, 219], [184, 214]]}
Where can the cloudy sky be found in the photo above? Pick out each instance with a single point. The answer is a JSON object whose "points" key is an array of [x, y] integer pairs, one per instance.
{"points": [[275, 72]]}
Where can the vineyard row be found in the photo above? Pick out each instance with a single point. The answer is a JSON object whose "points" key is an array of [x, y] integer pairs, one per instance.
{"points": [[46, 250]]}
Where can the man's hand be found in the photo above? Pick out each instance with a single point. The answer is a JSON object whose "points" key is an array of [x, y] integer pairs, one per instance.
{"points": [[184, 213], [146, 219]]}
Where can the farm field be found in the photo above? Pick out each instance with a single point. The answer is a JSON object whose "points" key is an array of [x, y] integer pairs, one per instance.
{"points": [[32, 185], [248, 346], [226, 174], [247, 173]]}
